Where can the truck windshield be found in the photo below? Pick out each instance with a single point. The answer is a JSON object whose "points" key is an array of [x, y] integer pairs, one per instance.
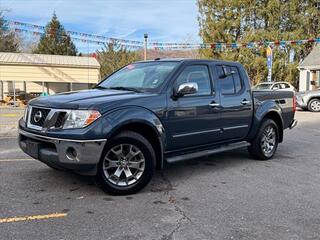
{"points": [[139, 76]]}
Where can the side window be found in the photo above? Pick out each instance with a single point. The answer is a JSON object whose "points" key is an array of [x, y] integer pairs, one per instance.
{"points": [[236, 79], [285, 85], [276, 86], [198, 74], [231, 84]]}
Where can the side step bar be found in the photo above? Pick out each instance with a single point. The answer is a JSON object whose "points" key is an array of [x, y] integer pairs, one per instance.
{"points": [[208, 152]]}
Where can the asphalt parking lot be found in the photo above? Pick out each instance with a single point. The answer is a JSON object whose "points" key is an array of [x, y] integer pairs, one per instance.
{"points": [[226, 196]]}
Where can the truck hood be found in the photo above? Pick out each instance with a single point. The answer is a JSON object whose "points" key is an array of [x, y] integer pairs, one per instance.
{"points": [[98, 99], [310, 92]]}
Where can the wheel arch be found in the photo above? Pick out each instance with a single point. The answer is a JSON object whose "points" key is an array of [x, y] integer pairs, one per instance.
{"points": [[278, 120], [314, 97], [141, 121], [273, 113]]}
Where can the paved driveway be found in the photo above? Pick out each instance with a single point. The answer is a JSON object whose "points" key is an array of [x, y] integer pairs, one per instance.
{"points": [[226, 196]]}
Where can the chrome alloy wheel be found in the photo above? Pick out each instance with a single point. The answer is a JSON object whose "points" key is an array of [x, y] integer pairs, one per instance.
{"points": [[124, 165], [315, 106], [268, 140]]}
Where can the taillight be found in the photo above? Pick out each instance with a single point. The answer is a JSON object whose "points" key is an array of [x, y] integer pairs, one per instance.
{"points": [[294, 101]]}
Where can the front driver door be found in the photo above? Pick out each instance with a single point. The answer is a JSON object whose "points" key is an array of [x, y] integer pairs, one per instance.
{"points": [[192, 121]]}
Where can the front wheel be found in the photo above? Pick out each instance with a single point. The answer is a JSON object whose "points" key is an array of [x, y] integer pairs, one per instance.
{"points": [[265, 143], [127, 165], [314, 105]]}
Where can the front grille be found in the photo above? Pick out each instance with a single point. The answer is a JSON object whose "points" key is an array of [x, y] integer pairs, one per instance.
{"points": [[60, 119], [38, 116]]}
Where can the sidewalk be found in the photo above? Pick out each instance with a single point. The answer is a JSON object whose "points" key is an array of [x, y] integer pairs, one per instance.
{"points": [[9, 117]]}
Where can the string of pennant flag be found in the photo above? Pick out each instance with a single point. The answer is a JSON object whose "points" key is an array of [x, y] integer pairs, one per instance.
{"points": [[82, 40], [33, 27], [38, 30]]}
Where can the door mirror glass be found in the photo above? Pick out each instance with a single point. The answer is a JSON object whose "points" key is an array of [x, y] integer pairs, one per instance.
{"points": [[227, 71], [187, 88]]}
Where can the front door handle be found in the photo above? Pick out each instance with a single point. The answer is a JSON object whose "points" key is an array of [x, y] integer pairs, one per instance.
{"points": [[245, 102], [214, 104]]}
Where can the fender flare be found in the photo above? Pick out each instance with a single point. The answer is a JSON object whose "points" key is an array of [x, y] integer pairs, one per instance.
{"points": [[266, 108], [124, 116]]}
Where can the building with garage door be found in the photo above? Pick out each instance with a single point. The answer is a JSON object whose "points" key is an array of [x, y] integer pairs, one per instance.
{"points": [[309, 78], [28, 75]]}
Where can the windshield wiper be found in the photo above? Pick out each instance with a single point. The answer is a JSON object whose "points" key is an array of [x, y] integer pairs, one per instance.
{"points": [[126, 89], [100, 87]]}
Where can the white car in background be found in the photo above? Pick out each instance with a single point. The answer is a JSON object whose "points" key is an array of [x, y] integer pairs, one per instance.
{"points": [[274, 86]]}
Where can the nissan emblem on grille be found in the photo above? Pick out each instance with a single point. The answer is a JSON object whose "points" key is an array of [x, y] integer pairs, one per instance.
{"points": [[37, 116]]}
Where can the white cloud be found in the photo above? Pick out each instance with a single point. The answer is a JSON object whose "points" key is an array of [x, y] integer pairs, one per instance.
{"points": [[165, 20]]}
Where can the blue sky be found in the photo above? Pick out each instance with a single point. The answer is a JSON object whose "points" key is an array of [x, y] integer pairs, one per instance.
{"points": [[164, 20]]}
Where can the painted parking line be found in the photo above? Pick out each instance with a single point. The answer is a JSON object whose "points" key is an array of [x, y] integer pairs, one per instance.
{"points": [[17, 160], [9, 138], [8, 115], [34, 217], [10, 150]]}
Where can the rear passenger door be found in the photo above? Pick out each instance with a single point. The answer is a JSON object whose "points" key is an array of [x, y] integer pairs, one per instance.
{"points": [[235, 102]]}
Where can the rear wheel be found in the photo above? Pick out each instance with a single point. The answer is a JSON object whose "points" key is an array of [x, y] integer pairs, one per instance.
{"points": [[127, 165], [265, 143], [314, 105]]}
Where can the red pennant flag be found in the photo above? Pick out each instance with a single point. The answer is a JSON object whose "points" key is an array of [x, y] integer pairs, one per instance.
{"points": [[277, 43]]}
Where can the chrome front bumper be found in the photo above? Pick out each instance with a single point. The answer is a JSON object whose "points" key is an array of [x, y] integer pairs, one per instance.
{"points": [[71, 154], [300, 102]]}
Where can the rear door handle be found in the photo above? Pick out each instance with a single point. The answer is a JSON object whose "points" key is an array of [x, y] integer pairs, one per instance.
{"points": [[245, 102], [214, 104]]}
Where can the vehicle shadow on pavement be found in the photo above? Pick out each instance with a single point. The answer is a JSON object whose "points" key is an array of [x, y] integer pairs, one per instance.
{"points": [[59, 182]]}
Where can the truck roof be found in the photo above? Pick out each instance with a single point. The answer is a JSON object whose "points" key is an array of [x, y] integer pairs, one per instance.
{"points": [[188, 60]]}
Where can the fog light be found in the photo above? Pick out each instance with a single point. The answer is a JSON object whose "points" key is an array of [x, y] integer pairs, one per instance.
{"points": [[71, 153]]}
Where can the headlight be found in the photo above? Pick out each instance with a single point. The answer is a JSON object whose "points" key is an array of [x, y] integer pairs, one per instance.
{"points": [[25, 113], [80, 118]]}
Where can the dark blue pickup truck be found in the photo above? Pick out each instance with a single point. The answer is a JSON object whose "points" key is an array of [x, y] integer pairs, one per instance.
{"points": [[153, 112]]}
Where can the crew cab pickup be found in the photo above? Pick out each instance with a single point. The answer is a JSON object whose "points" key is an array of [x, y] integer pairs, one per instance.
{"points": [[154, 112]]}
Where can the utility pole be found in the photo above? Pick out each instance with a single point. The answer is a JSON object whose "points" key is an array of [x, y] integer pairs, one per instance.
{"points": [[145, 45]]}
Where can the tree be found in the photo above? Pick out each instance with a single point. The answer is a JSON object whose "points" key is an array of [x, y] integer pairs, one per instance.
{"points": [[8, 39], [262, 21], [55, 40], [114, 56]]}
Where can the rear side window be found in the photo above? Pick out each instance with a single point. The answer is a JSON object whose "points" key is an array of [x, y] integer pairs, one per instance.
{"points": [[231, 84], [284, 85]]}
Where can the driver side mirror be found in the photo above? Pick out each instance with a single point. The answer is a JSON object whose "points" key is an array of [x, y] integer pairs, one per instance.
{"points": [[227, 72], [187, 89]]}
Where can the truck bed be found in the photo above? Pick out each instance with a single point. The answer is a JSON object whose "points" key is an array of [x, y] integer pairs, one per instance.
{"points": [[285, 99]]}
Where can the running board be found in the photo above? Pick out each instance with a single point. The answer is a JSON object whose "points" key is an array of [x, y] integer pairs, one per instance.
{"points": [[208, 152]]}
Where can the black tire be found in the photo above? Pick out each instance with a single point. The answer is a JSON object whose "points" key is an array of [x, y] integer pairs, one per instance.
{"points": [[312, 105], [256, 147], [137, 140]]}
